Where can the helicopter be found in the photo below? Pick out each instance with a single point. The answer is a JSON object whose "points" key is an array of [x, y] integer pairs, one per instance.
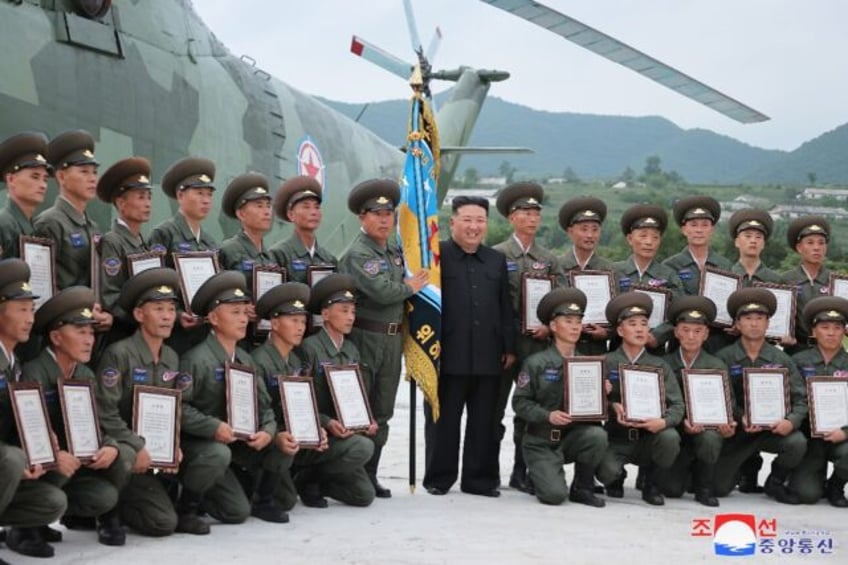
{"points": [[151, 79]]}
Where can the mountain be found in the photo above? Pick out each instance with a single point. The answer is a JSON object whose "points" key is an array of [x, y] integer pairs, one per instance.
{"points": [[595, 146]]}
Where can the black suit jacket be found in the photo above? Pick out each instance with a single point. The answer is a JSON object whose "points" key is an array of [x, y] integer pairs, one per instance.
{"points": [[477, 316]]}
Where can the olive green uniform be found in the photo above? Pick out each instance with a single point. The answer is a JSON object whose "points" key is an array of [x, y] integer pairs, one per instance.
{"points": [[789, 449], [631, 445], [340, 469], [13, 224], [319, 350], [144, 503], [762, 275], [568, 264], [808, 477], [293, 255], [224, 497], [538, 392], [73, 233], [90, 493], [656, 275], [380, 295], [806, 290]]}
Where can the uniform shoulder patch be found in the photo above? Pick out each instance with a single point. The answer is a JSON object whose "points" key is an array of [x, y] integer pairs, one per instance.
{"points": [[523, 379], [110, 377], [158, 248], [168, 376], [184, 381], [372, 266], [111, 266]]}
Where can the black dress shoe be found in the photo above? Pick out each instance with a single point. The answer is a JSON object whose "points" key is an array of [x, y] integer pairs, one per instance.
{"points": [[109, 529], [616, 488], [78, 523], [50, 535], [777, 490], [587, 497], [191, 523], [706, 497], [269, 512], [309, 491], [748, 484], [652, 495], [379, 490], [438, 491], [28, 541], [491, 493]]}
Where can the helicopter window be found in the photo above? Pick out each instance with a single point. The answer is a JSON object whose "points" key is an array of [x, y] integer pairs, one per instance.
{"points": [[89, 32], [93, 9]]}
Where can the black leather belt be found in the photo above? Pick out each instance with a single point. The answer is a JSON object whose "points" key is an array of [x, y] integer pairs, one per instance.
{"points": [[547, 432], [624, 432], [388, 328]]}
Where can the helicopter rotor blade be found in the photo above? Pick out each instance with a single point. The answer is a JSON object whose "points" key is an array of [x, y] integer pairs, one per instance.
{"points": [[381, 57], [413, 28], [433, 46]]}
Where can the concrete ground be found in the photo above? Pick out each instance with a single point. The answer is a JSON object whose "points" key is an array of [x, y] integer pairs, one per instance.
{"points": [[460, 528]]}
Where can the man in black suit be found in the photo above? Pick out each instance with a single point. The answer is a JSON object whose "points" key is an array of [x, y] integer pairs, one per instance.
{"points": [[477, 346]]}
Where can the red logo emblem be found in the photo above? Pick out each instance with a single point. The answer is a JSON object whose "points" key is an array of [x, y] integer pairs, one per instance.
{"points": [[309, 161]]}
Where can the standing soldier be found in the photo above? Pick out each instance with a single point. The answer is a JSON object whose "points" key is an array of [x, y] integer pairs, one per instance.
{"points": [[27, 504], [223, 301], [751, 309], [67, 322], [25, 170], [299, 201], [808, 236], [582, 218], [521, 204], [750, 230], [826, 316], [189, 181], [553, 438], [376, 264], [653, 444]]}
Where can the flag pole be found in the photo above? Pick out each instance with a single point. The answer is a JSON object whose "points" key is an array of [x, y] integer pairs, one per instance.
{"points": [[413, 403]]}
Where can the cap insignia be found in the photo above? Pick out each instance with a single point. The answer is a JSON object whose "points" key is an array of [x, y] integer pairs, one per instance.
{"points": [[297, 304], [754, 223], [382, 200], [637, 310], [204, 178], [833, 314], [164, 289], [695, 314], [589, 213], [815, 227], [86, 313], [751, 306], [88, 154], [26, 287], [238, 292], [573, 306], [532, 201], [143, 178], [649, 221], [348, 294], [40, 158], [260, 190], [699, 211]]}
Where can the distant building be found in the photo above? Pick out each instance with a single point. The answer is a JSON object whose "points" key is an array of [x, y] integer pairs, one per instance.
{"points": [[745, 201], [619, 185], [790, 211], [556, 180], [489, 194], [812, 193], [492, 181]]}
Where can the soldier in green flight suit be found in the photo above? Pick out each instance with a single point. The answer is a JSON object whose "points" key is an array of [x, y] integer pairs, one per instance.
{"points": [[750, 230], [223, 301], [808, 236], [126, 185], [67, 321], [189, 182], [751, 309], [336, 468], [27, 504], [699, 448], [375, 262], [582, 219], [25, 170], [521, 204], [653, 444], [552, 438], [142, 359], [827, 316], [643, 226], [298, 201]]}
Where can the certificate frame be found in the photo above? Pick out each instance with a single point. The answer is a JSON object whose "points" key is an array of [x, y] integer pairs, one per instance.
{"points": [[689, 396], [140, 262], [83, 389], [594, 313], [838, 285], [94, 263], [339, 375], [630, 373], [205, 261], [35, 414], [749, 374], [43, 289], [314, 274], [661, 297], [787, 308], [287, 386], [142, 394], [265, 277], [531, 287], [710, 277], [236, 379], [584, 367], [814, 387]]}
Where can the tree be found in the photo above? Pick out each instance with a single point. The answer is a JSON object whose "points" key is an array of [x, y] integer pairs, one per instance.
{"points": [[471, 177], [811, 176], [628, 176], [570, 175], [653, 166], [507, 171]]}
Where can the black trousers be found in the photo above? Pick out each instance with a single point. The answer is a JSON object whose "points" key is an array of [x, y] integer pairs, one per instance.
{"points": [[480, 470]]}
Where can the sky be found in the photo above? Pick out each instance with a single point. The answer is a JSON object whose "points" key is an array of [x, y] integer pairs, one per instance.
{"points": [[785, 58]]}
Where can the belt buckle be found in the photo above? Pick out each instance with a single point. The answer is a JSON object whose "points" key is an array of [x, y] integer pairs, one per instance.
{"points": [[393, 328], [633, 434], [556, 435]]}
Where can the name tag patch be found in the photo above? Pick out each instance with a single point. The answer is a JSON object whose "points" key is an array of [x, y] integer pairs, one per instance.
{"points": [[77, 240]]}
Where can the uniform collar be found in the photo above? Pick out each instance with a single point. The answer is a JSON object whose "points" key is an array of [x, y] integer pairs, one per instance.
{"points": [[24, 223], [63, 205], [143, 348]]}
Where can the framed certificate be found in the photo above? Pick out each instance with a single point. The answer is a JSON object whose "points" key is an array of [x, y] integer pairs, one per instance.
{"points": [[783, 321], [194, 269], [94, 264], [707, 396], [156, 419], [828, 398], [315, 273], [140, 262], [33, 424], [598, 288], [79, 412], [40, 254], [718, 285], [265, 277], [661, 297], [349, 396], [242, 400], [839, 285], [766, 395], [585, 399], [642, 392], [300, 410], [533, 288]]}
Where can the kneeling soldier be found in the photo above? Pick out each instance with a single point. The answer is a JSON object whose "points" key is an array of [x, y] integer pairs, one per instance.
{"points": [[652, 444], [552, 438], [336, 468]]}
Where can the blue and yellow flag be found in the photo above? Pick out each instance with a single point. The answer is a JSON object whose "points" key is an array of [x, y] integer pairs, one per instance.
{"points": [[418, 234]]}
